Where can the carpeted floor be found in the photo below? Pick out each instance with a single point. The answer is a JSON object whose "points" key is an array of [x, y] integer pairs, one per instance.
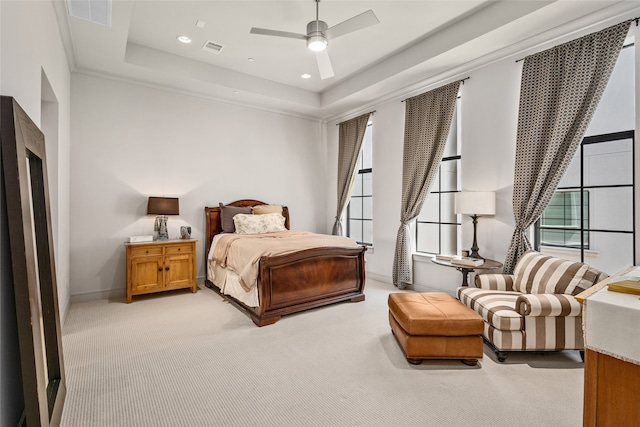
{"points": [[182, 359]]}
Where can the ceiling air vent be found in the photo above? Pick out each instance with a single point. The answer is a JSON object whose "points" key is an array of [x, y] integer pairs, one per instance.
{"points": [[98, 11], [212, 47]]}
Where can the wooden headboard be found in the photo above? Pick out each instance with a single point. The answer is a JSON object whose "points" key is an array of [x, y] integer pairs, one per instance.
{"points": [[214, 226]]}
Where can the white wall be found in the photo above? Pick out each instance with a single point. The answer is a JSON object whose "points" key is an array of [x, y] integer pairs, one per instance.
{"points": [[30, 45], [132, 141], [489, 122]]}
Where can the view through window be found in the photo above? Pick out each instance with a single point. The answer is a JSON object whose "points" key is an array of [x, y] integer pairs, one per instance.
{"points": [[560, 222]]}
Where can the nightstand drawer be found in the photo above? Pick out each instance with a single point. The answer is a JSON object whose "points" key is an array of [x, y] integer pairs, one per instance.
{"points": [[178, 249], [146, 251]]}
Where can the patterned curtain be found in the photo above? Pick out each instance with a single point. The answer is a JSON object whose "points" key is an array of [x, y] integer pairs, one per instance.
{"points": [[350, 141], [426, 127], [560, 90]]}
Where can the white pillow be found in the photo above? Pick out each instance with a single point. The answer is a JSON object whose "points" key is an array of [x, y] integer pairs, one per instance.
{"points": [[259, 224]]}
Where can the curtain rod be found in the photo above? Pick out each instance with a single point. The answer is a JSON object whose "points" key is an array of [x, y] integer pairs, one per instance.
{"points": [[632, 19], [461, 80], [370, 112]]}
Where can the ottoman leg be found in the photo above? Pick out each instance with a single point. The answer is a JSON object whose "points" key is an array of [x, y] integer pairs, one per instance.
{"points": [[414, 361], [470, 362]]}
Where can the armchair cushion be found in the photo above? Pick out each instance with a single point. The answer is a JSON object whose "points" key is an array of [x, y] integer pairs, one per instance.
{"points": [[497, 308], [496, 282], [542, 274], [548, 305]]}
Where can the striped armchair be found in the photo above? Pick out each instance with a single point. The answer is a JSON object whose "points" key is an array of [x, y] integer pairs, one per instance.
{"points": [[534, 308]]}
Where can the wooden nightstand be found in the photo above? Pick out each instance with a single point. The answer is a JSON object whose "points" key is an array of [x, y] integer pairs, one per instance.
{"points": [[162, 265]]}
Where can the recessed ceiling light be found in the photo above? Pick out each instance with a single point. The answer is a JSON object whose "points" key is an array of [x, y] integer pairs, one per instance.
{"points": [[236, 91], [184, 39], [306, 76], [250, 59]]}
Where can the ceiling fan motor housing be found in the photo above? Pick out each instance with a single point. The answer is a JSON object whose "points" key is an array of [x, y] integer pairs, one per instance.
{"points": [[315, 32]]}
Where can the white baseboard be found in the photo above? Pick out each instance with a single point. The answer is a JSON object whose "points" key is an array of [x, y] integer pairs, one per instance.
{"points": [[379, 278], [425, 288], [417, 288], [91, 296], [63, 316], [107, 294]]}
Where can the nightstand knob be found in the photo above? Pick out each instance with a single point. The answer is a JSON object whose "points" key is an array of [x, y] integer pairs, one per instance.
{"points": [[160, 269], [166, 268]]}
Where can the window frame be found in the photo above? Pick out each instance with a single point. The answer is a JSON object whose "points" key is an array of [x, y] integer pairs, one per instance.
{"points": [[362, 171], [457, 157], [440, 223], [597, 139]]}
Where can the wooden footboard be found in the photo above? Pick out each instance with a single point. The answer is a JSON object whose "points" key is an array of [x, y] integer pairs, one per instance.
{"points": [[302, 280], [308, 279]]}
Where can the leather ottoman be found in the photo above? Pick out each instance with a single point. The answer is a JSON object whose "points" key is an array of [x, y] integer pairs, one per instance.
{"points": [[434, 325]]}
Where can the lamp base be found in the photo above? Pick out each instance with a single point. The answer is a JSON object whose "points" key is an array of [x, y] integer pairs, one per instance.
{"points": [[475, 254], [161, 227], [474, 248]]}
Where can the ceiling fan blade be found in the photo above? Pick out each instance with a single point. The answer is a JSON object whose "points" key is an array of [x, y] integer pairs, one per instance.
{"points": [[358, 22], [265, 32], [324, 64]]}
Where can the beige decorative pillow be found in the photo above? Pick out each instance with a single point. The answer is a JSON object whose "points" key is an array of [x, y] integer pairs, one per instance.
{"points": [[259, 224], [267, 209]]}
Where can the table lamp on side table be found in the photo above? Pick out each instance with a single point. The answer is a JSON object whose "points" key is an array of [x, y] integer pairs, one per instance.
{"points": [[162, 206], [475, 204]]}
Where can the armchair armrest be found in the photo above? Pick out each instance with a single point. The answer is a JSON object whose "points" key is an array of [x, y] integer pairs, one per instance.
{"points": [[495, 282], [548, 305]]}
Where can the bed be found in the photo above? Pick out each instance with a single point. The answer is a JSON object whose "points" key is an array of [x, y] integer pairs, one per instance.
{"points": [[290, 282]]}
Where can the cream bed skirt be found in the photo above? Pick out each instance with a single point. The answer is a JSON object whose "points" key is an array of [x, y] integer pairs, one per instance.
{"points": [[229, 282]]}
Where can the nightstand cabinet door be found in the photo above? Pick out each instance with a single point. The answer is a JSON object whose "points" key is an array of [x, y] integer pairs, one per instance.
{"points": [[179, 269], [146, 274]]}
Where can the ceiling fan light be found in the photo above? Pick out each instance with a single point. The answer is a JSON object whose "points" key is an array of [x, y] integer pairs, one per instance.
{"points": [[317, 43]]}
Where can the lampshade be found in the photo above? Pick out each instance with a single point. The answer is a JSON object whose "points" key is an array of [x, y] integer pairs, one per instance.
{"points": [[475, 203], [163, 206]]}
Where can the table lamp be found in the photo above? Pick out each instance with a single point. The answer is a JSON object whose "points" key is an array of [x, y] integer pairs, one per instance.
{"points": [[475, 204], [162, 206]]}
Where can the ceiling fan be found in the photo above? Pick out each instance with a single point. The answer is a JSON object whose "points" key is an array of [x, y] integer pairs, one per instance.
{"points": [[319, 34]]}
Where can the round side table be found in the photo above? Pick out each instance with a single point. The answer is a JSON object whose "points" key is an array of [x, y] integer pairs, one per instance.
{"points": [[489, 264]]}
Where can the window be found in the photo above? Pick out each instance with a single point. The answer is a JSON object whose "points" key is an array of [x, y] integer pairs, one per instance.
{"points": [[590, 217], [437, 225], [360, 208]]}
